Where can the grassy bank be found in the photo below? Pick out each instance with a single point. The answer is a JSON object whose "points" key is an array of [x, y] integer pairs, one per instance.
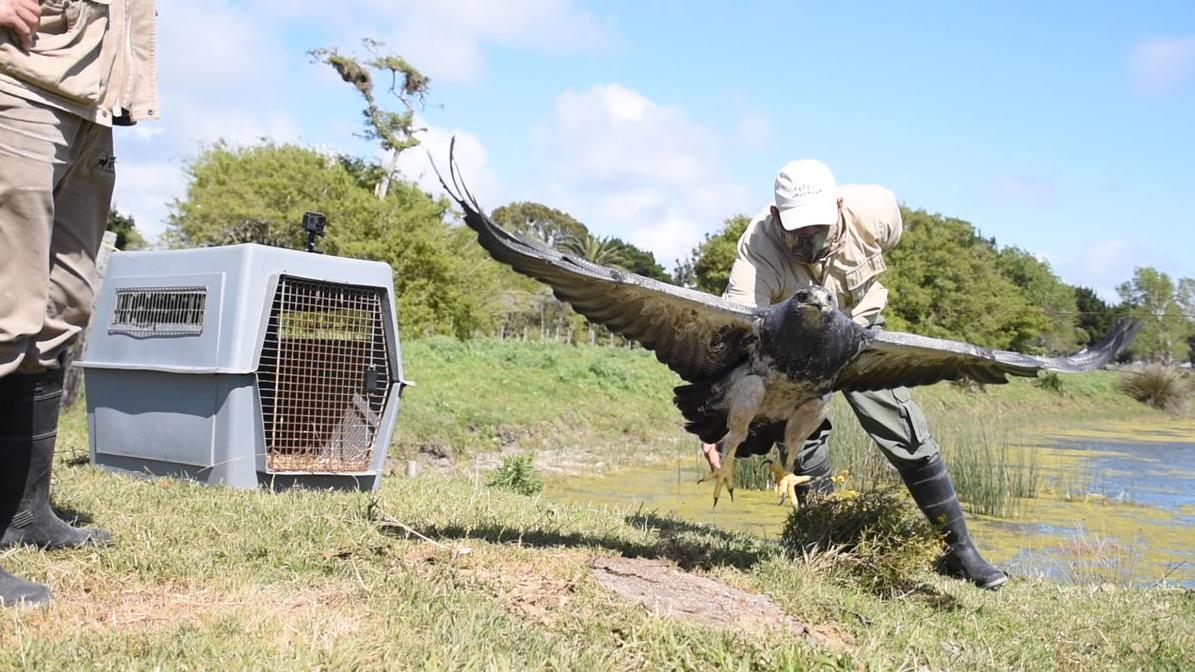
{"points": [[582, 409], [477, 396], [443, 572]]}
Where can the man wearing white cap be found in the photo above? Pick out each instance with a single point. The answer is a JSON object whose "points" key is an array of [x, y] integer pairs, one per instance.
{"points": [[818, 232]]}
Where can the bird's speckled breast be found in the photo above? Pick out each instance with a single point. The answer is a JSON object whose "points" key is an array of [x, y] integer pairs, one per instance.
{"points": [[786, 390]]}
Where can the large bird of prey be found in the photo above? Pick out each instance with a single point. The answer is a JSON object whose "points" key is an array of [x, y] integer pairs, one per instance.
{"points": [[758, 375]]}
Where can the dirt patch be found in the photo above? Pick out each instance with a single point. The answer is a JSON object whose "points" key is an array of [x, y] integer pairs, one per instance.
{"points": [[540, 593], [290, 613], [670, 592]]}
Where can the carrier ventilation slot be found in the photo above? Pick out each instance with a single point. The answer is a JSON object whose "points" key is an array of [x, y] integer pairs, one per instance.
{"points": [[158, 311]]}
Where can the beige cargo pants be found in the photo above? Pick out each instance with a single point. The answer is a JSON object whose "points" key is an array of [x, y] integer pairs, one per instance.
{"points": [[56, 177], [893, 420]]}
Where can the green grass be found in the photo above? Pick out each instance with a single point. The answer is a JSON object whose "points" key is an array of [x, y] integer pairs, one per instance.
{"points": [[211, 578], [203, 578], [477, 396]]}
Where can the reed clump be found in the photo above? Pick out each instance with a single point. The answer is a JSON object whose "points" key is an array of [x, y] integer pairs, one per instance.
{"points": [[1160, 386], [874, 539]]}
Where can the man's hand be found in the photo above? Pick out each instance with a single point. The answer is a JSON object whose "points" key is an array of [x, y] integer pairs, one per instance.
{"points": [[710, 451], [21, 18]]}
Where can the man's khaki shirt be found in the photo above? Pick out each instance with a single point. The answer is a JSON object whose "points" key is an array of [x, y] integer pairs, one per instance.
{"points": [[765, 273], [92, 58]]}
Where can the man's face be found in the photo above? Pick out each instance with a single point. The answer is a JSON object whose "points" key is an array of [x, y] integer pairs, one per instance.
{"points": [[806, 244]]}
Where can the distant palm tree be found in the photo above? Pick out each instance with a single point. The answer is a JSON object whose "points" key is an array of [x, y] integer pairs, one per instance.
{"points": [[602, 250]]}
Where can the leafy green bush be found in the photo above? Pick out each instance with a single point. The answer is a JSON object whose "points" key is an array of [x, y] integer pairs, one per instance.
{"points": [[1160, 386], [517, 474], [1050, 381], [872, 538]]}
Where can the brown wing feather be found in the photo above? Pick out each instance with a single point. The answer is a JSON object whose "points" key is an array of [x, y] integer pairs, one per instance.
{"points": [[697, 335], [894, 359]]}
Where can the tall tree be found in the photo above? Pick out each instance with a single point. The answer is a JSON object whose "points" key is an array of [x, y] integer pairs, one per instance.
{"points": [[641, 261], [555, 228], [943, 281], [1153, 297], [395, 131], [258, 194], [1059, 327], [707, 267], [539, 222], [1096, 317]]}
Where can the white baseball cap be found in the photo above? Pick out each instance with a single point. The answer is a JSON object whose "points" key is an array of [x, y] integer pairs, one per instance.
{"points": [[806, 195]]}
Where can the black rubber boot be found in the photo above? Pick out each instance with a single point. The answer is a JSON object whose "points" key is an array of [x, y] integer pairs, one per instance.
{"points": [[931, 488], [35, 523], [14, 464]]}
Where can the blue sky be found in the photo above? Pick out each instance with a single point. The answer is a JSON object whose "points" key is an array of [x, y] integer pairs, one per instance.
{"points": [[1062, 128]]}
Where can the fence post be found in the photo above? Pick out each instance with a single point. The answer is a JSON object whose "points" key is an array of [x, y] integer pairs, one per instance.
{"points": [[72, 383]]}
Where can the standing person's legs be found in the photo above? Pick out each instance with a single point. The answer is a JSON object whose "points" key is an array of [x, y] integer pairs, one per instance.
{"points": [[58, 180], [898, 426], [30, 145]]}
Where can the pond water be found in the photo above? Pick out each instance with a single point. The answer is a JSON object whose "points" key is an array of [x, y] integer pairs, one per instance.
{"points": [[1118, 505]]}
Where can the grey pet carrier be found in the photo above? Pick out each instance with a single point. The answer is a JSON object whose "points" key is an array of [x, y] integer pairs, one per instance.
{"points": [[244, 365]]}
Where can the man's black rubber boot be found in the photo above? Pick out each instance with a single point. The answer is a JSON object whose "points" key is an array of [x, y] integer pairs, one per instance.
{"points": [[17, 592], [14, 464], [35, 523], [931, 488]]}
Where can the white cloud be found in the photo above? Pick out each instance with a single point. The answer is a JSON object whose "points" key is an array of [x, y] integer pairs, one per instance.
{"points": [[632, 167], [240, 53], [446, 37], [615, 136], [144, 190], [228, 85], [416, 164], [237, 83], [671, 239], [1159, 66], [1104, 264]]}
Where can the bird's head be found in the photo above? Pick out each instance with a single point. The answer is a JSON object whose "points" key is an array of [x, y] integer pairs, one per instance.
{"points": [[812, 301]]}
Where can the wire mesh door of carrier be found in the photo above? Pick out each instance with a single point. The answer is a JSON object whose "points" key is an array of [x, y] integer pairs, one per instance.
{"points": [[323, 376]]}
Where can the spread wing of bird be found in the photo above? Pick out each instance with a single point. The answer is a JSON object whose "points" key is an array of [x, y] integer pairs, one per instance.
{"points": [[892, 359], [696, 334]]}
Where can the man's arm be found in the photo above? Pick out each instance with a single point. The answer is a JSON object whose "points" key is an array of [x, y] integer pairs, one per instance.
{"points": [[753, 281], [890, 224], [21, 18]]}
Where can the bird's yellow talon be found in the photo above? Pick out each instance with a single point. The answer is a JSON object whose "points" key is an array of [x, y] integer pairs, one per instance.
{"points": [[722, 476], [786, 483]]}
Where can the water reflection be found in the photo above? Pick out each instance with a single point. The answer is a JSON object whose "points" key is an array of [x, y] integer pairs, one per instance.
{"points": [[1154, 474], [1120, 511]]}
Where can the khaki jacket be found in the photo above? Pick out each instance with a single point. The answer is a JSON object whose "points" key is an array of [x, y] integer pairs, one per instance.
{"points": [[765, 273], [93, 58]]}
